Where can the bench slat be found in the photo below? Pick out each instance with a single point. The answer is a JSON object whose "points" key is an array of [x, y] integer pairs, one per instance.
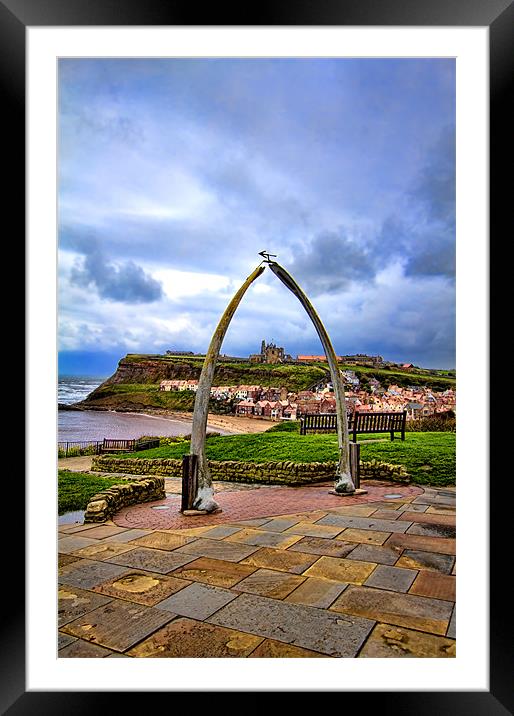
{"points": [[358, 423]]}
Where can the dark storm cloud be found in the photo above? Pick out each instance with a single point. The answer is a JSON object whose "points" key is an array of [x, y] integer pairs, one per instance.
{"points": [[341, 167], [429, 241], [332, 262], [124, 282]]}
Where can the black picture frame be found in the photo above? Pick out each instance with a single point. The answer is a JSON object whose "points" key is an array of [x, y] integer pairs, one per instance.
{"points": [[498, 16]]}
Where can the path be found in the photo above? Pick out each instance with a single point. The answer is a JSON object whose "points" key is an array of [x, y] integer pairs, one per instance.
{"points": [[367, 578]]}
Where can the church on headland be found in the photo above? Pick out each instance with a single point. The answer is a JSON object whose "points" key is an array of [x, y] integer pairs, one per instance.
{"points": [[270, 353]]}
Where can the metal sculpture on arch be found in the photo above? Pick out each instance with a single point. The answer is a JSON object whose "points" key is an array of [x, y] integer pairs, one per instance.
{"points": [[343, 483]]}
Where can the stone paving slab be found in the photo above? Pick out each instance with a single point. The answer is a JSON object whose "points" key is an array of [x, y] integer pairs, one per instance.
{"points": [[429, 518], [281, 560], [147, 588], [163, 540], [64, 639], [152, 560], [198, 601], [341, 570], [392, 507], [306, 627], [118, 625], [128, 535], [409, 610], [322, 546], [187, 638], [192, 531], [308, 529], [355, 510], [279, 524], [254, 523], [101, 531], [365, 523], [395, 579], [435, 501], [103, 550], [64, 559], [440, 510], [421, 542], [214, 571], [269, 583], [386, 515], [432, 530], [260, 538], [271, 649], [316, 592], [434, 584], [395, 642], [83, 650], [352, 534], [373, 553], [75, 527], [71, 543], [430, 561], [73, 603], [412, 507], [226, 551], [220, 532], [86, 574]]}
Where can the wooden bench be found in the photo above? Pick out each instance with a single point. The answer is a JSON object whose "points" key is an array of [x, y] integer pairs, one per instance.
{"points": [[358, 423], [110, 446]]}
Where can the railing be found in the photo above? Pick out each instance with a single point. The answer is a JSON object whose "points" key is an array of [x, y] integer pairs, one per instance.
{"points": [[75, 448]]}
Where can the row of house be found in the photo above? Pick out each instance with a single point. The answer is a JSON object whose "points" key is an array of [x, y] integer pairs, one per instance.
{"points": [[228, 392], [276, 403]]}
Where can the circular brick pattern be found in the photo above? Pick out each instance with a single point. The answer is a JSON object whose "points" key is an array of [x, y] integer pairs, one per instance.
{"points": [[251, 504]]}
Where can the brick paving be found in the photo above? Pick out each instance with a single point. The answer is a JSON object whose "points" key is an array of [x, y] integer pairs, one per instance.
{"points": [[251, 504], [279, 573]]}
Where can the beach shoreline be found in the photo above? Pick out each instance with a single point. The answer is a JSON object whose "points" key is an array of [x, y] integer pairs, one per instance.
{"points": [[230, 423]]}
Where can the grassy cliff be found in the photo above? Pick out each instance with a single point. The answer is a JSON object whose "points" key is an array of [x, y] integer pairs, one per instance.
{"points": [[135, 383]]}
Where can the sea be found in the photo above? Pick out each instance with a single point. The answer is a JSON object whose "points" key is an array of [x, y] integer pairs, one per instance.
{"points": [[82, 425]]}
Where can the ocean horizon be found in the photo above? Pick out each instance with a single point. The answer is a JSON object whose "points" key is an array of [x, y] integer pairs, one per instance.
{"points": [[95, 425]]}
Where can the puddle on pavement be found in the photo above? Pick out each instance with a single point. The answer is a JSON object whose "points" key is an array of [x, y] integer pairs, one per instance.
{"points": [[70, 518]]}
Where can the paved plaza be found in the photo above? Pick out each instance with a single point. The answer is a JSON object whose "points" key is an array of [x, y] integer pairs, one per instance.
{"points": [[279, 573]]}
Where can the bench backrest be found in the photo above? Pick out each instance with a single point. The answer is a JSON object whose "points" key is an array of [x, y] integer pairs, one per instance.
{"points": [[357, 422], [378, 422], [109, 444]]}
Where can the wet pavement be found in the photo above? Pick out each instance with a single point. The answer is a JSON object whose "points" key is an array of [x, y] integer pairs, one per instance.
{"points": [[279, 573]]}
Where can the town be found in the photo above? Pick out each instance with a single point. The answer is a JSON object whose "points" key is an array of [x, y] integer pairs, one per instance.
{"points": [[277, 403]]}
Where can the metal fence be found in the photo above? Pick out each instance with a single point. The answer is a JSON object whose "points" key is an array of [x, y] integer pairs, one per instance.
{"points": [[75, 448]]}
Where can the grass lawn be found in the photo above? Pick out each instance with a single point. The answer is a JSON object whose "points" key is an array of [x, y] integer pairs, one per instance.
{"points": [[428, 457], [75, 489]]}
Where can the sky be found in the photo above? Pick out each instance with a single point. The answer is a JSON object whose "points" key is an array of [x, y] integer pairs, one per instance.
{"points": [[175, 173]]}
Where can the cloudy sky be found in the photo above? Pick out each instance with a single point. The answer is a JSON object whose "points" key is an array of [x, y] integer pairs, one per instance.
{"points": [[174, 174]]}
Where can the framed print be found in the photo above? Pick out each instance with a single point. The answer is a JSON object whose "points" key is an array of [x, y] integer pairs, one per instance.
{"points": [[44, 48]]}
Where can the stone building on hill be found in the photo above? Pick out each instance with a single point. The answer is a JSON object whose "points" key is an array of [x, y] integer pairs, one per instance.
{"points": [[270, 353]]}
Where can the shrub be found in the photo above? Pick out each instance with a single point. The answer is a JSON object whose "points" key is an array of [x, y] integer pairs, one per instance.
{"points": [[443, 422]]}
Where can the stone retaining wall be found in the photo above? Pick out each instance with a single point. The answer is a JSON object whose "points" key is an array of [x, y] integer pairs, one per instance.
{"points": [[285, 472], [107, 502]]}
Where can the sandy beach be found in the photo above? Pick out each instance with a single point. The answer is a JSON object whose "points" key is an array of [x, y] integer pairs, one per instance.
{"points": [[230, 423]]}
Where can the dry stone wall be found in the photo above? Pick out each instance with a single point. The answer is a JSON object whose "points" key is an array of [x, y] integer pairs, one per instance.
{"points": [[285, 472], [107, 502]]}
